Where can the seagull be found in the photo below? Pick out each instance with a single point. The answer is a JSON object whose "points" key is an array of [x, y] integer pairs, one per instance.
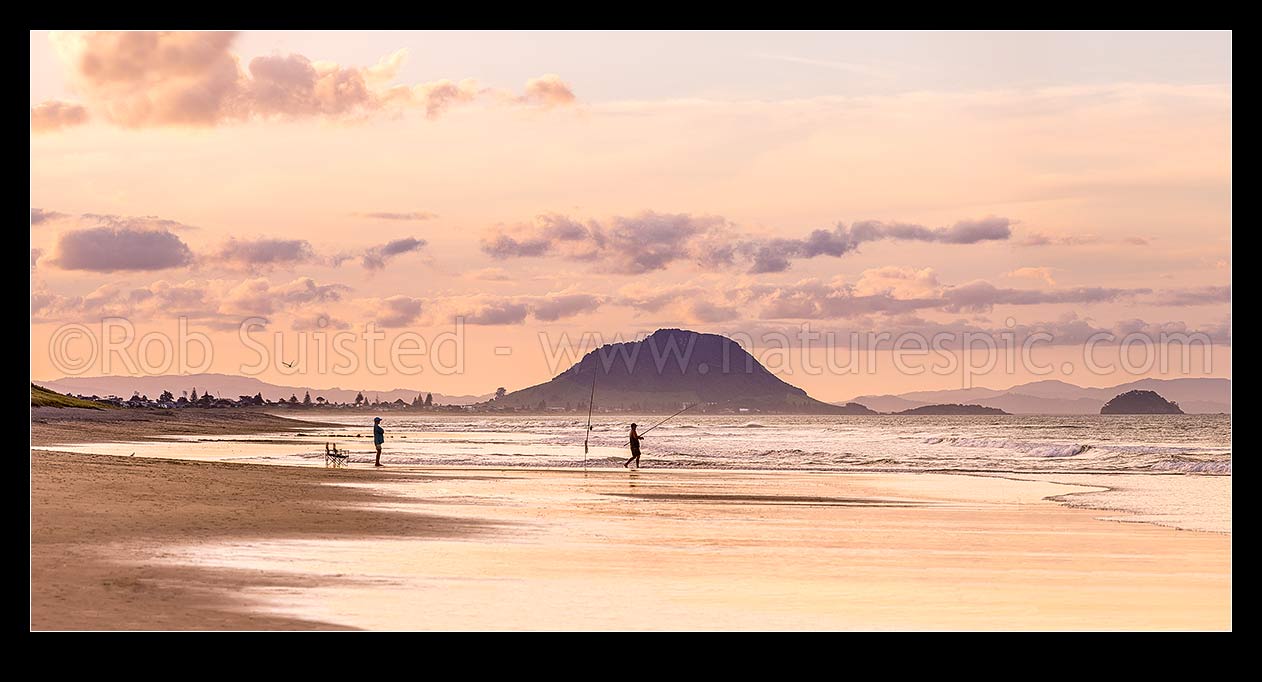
{"points": [[287, 364]]}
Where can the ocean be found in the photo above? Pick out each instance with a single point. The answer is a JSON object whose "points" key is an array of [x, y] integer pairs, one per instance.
{"points": [[1163, 469], [1194, 444], [1169, 470]]}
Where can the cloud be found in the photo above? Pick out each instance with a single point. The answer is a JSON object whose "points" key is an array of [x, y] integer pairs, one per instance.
{"points": [[494, 311], [123, 239], [162, 298], [982, 296], [39, 216], [628, 245], [704, 311], [147, 222], [260, 297], [1041, 273], [815, 299], [888, 292], [35, 256], [375, 258], [398, 311], [437, 97], [1067, 330], [1195, 296], [264, 253], [654, 297], [490, 275], [499, 310], [1044, 239], [503, 246], [412, 215], [652, 241], [317, 321], [216, 303], [547, 91], [291, 86], [142, 79], [1219, 333], [387, 67], [53, 115], [556, 306], [110, 248], [899, 281], [775, 255], [683, 302]]}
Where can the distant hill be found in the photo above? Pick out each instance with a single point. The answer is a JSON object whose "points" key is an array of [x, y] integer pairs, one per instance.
{"points": [[1195, 396], [667, 370], [1140, 402], [954, 410], [42, 397], [231, 386]]}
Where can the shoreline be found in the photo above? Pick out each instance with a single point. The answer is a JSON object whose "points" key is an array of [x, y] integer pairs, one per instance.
{"points": [[73, 425], [94, 508], [180, 542], [78, 430], [148, 543]]}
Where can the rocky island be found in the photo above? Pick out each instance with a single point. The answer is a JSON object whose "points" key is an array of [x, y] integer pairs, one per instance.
{"points": [[1140, 402], [953, 409]]}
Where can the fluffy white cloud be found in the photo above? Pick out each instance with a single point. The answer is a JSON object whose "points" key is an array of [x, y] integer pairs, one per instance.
{"points": [[141, 79]]}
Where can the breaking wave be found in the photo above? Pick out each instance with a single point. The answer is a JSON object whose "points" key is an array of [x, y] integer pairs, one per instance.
{"points": [[1036, 448], [1193, 466]]}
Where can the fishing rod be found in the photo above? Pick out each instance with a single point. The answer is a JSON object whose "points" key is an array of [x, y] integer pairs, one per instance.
{"points": [[689, 407], [590, 402]]}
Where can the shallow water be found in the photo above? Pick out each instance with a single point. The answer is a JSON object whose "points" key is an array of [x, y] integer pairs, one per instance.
{"points": [[685, 549], [1191, 444], [1175, 455]]}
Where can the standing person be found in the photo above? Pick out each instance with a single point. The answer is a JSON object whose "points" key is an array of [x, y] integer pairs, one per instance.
{"points": [[378, 437], [635, 449]]}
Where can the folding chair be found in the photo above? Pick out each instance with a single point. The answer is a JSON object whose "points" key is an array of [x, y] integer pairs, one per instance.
{"points": [[335, 458]]}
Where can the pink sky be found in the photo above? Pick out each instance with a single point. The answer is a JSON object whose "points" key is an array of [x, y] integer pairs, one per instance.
{"points": [[530, 184]]}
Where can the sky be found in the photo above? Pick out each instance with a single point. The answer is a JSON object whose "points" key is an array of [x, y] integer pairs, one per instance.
{"points": [[485, 200]]}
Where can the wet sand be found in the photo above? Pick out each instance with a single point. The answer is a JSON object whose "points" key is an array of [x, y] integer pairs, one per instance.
{"points": [[50, 425], [127, 543], [92, 515]]}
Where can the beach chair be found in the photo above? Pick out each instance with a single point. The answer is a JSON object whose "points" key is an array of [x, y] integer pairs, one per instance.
{"points": [[334, 458]]}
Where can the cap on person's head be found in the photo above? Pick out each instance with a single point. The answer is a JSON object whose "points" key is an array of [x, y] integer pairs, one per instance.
{"points": [[376, 419], [633, 426]]}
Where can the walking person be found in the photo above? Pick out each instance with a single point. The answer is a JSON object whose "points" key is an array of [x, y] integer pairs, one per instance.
{"points": [[635, 449], [378, 437]]}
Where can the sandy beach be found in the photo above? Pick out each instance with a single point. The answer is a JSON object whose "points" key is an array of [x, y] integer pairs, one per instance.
{"points": [[137, 543], [76, 425]]}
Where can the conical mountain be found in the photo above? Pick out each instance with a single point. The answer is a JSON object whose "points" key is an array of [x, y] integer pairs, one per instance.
{"points": [[667, 370]]}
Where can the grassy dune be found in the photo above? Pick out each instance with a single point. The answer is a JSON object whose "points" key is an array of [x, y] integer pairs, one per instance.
{"points": [[42, 397]]}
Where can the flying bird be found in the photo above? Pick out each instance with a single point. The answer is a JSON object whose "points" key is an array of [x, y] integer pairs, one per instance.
{"points": [[287, 364]]}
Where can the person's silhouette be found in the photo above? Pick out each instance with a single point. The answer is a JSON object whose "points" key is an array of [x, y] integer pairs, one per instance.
{"points": [[378, 437], [635, 449]]}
